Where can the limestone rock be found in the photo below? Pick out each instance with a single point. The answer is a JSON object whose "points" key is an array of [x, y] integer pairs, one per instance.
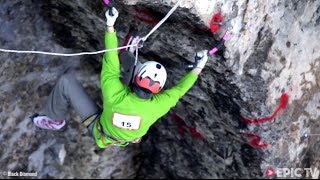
{"points": [[274, 50]]}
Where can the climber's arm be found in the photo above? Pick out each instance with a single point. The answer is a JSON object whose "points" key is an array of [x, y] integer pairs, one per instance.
{"points": [[110, 74], [110, 29], [201, 60], [169, 98], [196, 70]]}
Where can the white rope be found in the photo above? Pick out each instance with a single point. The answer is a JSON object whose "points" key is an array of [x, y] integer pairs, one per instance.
{"points": [[162, 21], [136, 59], [102, 51], [62, 54], [306, 135]]}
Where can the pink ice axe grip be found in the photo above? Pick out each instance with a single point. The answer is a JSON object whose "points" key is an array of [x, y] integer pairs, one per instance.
{"points": [[110, 5], [226, 36], [106, 2], [214, 50]]}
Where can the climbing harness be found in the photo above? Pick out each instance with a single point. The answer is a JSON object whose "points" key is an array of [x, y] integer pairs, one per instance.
{"points": [[91, 119], [110, 4], [104, 135]]}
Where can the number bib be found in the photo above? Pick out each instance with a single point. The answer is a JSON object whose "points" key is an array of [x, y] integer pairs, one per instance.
{"points": [[127, 122]]}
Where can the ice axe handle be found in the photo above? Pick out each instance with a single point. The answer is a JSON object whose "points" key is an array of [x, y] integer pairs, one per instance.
{"points": [[216, 49], [109, 3], [190, 66], [110, 10], [225, 38], [187, 66], [106, 2], [213, 51]]}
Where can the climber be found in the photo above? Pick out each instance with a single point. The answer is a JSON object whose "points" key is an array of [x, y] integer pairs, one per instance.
{"points": [[130, 107]]}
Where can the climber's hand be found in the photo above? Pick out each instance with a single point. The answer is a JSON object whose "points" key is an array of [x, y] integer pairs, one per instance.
{"points": [[112, 19], [201, 58]]}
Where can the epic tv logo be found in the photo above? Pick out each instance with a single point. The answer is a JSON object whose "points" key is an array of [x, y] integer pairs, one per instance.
{"points": [[293, 172]]}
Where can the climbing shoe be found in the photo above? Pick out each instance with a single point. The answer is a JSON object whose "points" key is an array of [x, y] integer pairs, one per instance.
{"points": [[44, 122]]}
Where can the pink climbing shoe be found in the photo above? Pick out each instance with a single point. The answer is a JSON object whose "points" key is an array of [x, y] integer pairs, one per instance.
{"points": [[44, 122]]}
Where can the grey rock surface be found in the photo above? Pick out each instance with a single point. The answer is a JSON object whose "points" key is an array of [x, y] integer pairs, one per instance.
{"points": [[274, 50]]}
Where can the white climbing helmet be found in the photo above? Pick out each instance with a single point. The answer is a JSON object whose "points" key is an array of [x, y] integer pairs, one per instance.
{"points": [[151, 77]]}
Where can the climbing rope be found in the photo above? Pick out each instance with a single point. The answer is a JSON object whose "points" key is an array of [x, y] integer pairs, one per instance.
{"points": [[63, 54], [162, 21], [136, 56], [307, 135], [102, 51]]}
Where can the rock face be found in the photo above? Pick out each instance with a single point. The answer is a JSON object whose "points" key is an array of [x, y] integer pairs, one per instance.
{"points": [[255, 105]]}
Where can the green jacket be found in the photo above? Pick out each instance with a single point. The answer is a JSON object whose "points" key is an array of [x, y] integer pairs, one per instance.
{"points": [[125, 116]]}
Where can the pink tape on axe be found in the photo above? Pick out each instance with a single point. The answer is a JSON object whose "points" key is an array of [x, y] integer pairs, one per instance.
{"points": [[214, 50], [106, 2]]}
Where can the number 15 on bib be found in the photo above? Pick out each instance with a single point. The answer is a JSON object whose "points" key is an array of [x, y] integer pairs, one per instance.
{"points": [[127, 122]]}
